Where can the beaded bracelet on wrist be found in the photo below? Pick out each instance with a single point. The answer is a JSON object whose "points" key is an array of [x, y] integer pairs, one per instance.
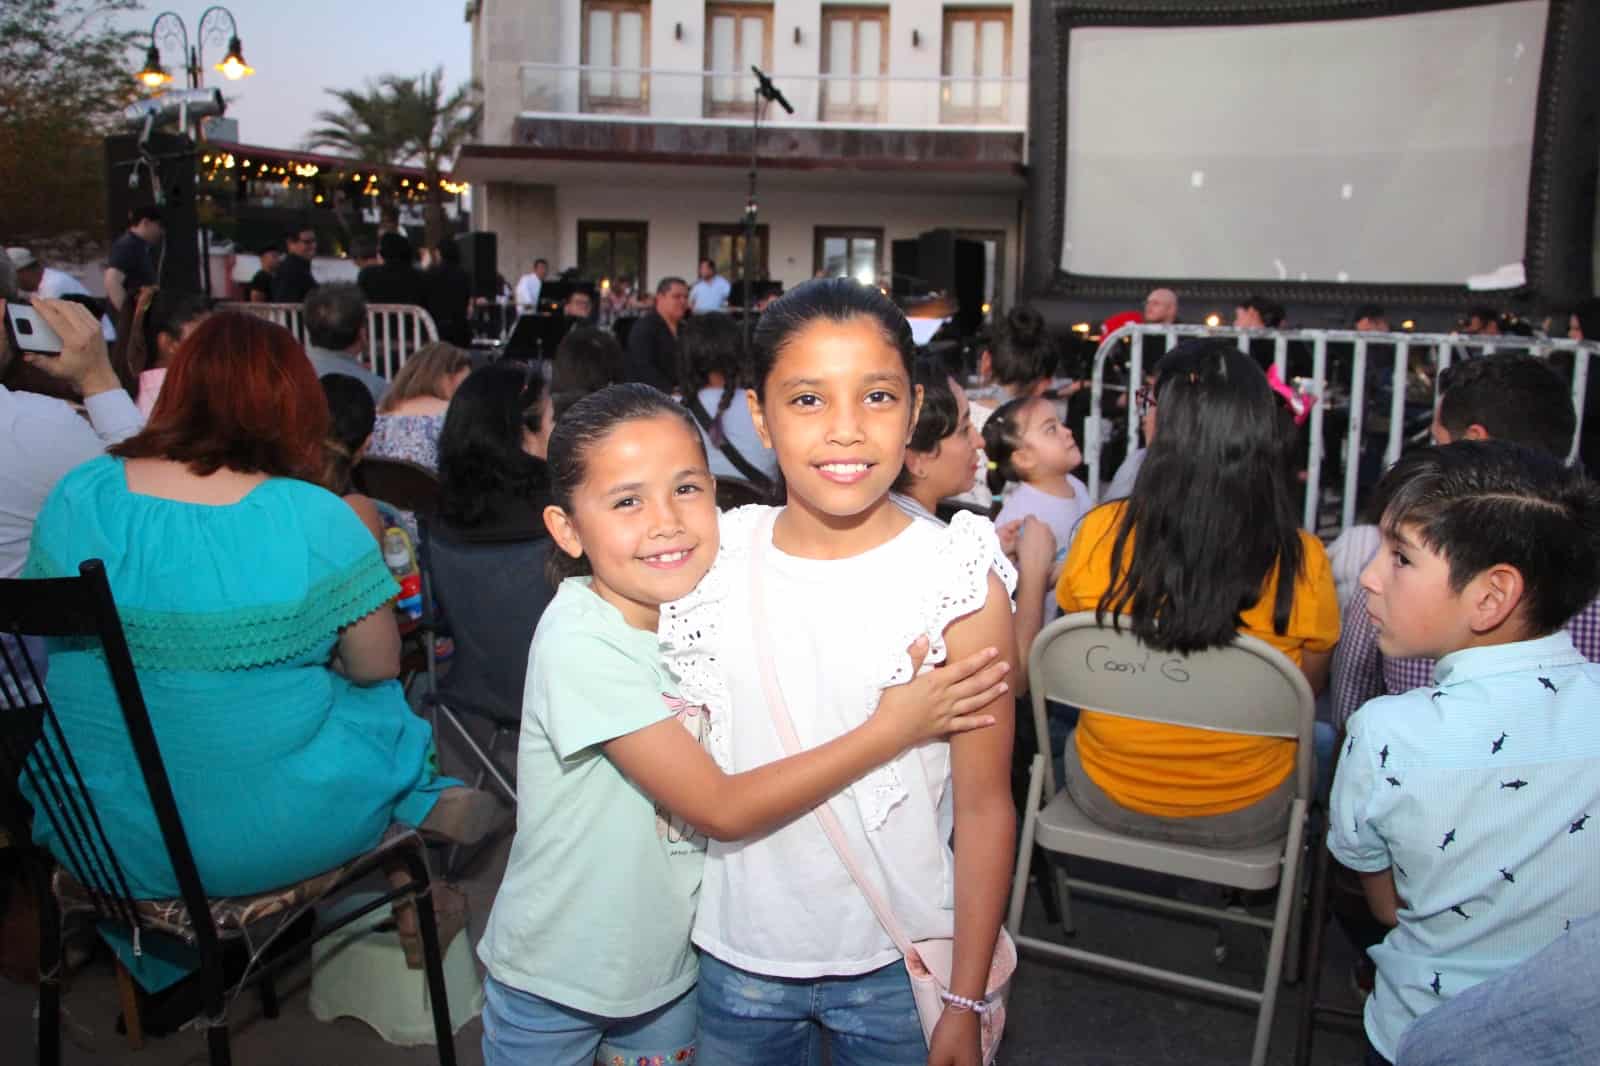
{"points": [[976, 1006]]}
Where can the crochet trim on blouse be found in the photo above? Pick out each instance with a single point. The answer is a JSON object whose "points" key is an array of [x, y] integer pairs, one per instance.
{"points": [[245, 637]]}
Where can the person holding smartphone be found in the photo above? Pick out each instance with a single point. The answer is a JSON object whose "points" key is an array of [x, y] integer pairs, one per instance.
{"points": [[42, 437]]}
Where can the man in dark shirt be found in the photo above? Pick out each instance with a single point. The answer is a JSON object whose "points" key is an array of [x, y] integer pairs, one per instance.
{"points": [[653, 343], [448, 295], [394, 280], [293, 281], [259, 291], [132, 263]]}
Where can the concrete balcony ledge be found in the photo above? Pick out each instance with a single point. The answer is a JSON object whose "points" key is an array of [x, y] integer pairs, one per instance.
{"points": [[658, 95], [807, 148]]}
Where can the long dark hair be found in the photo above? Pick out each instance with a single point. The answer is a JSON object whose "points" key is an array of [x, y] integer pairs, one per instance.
{"points": [[480, 446], [825, 299], [1211, 513], [580, 429], [351, 414], [711, 344]]}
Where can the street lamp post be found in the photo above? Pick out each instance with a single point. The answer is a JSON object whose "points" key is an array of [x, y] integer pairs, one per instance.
{"points": [[216, 26]]}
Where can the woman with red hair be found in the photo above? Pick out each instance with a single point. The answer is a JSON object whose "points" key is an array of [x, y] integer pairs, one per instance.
{"points": [[256, 607]]}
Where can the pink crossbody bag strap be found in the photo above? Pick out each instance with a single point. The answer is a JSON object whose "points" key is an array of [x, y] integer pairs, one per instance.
{"points": [[784, 724]]}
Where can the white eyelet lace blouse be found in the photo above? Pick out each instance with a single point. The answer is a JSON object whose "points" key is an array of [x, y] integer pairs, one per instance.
{"points": [[782, 904]]}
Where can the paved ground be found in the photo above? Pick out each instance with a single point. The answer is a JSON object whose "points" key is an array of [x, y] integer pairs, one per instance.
{"points": [[1059, 1014]]}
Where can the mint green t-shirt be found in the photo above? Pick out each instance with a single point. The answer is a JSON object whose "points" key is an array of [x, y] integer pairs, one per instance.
{"points": [[599, 893]]}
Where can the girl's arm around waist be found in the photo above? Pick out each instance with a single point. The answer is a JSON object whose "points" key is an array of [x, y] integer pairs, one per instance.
{"points": [[985, 837], [665, 761]]}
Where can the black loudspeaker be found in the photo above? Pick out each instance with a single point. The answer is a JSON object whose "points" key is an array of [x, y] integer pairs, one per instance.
{"points": [[904, 263], [957, 267], [162, 171], [480, 257]]}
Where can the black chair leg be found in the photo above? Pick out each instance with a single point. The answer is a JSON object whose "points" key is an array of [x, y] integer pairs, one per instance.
{"points": [[1311, 967], [217, 1045], [214, 1005], [49, 1024], [432, 957], [268, 992]]}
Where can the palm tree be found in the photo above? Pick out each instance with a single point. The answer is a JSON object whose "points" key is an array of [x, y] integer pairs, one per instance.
{"points": [[433, 127], [367, 128]]}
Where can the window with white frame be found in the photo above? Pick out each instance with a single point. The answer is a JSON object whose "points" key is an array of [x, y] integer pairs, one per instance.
{"points": [[848, 251], [977, 64], [616, 51], [738, 37], [855, 56]]}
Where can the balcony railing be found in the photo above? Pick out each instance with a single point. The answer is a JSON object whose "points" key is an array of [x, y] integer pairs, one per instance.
{"points": [[551, 90]]}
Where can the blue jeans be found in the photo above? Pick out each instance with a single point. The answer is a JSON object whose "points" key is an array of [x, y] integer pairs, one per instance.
{"points": [[520, 1029], [870, 1019]]}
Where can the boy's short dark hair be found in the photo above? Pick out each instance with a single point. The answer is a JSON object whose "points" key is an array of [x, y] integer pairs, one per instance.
{"points": [[1515, 398], [145, 213], [1483, 503]]}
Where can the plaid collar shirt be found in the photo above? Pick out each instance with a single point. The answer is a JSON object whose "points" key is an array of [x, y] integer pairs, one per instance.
{"points": [[1361, 672]]}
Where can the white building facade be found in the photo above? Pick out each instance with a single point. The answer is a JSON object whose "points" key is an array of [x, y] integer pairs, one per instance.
{"points": [[616, 135]]}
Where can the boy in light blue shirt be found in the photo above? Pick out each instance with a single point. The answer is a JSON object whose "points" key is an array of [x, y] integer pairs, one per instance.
{"points": [[1466, 806]]}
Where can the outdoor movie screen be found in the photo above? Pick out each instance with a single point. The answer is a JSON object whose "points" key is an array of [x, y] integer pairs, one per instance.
{"points": [[1378, 150]]}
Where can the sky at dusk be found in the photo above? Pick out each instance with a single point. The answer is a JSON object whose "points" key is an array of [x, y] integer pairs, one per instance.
{"points": [[300, 48]]}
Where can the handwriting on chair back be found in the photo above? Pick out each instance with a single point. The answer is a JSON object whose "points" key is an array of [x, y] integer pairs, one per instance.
{"points": [[1097, 658]]}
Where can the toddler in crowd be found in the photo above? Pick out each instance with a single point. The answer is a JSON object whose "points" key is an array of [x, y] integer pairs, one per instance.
{"points": [[1465, 805], [587, 946], [1027, 444]]}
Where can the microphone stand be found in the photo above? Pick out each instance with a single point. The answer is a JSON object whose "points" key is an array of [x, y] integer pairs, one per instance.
{"points": [[765, 92]]}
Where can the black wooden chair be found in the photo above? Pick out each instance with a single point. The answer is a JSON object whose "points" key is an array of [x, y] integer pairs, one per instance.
{"points": [[91, 880], [494, 595]]}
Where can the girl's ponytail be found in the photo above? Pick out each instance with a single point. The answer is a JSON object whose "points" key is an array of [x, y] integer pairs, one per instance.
{"points": [[1002, 436]]}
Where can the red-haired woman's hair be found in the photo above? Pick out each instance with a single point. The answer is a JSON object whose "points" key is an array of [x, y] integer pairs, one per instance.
{"points": [[240, 394]]}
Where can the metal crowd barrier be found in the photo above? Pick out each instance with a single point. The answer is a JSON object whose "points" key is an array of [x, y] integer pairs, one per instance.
{"points": [[1445, 346], [394, 331]]}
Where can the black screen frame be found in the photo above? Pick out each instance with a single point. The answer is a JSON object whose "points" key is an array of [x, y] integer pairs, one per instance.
{"points": [[1559, 239]]}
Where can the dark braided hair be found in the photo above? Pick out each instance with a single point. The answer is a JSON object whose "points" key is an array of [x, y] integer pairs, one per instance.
{"points": [[711, 344]]}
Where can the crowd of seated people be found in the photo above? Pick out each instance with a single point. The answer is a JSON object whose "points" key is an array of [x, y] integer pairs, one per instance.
{"points": [[1202, 543]]}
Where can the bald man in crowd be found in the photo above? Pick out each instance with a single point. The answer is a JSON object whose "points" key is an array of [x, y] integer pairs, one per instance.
{"points": [[1161, 307]]}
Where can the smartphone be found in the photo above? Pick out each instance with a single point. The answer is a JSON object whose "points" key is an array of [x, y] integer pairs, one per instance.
{"points": [[27, 331]]}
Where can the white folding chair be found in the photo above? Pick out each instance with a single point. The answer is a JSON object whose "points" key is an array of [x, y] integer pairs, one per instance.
{"points": [[1247, 687]]}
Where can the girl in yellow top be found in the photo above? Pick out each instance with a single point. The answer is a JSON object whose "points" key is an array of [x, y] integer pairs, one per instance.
{"points": [[1198, 553]]}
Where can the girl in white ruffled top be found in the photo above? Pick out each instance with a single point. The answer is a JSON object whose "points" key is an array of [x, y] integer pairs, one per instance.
{"points": [[791, 952]]}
